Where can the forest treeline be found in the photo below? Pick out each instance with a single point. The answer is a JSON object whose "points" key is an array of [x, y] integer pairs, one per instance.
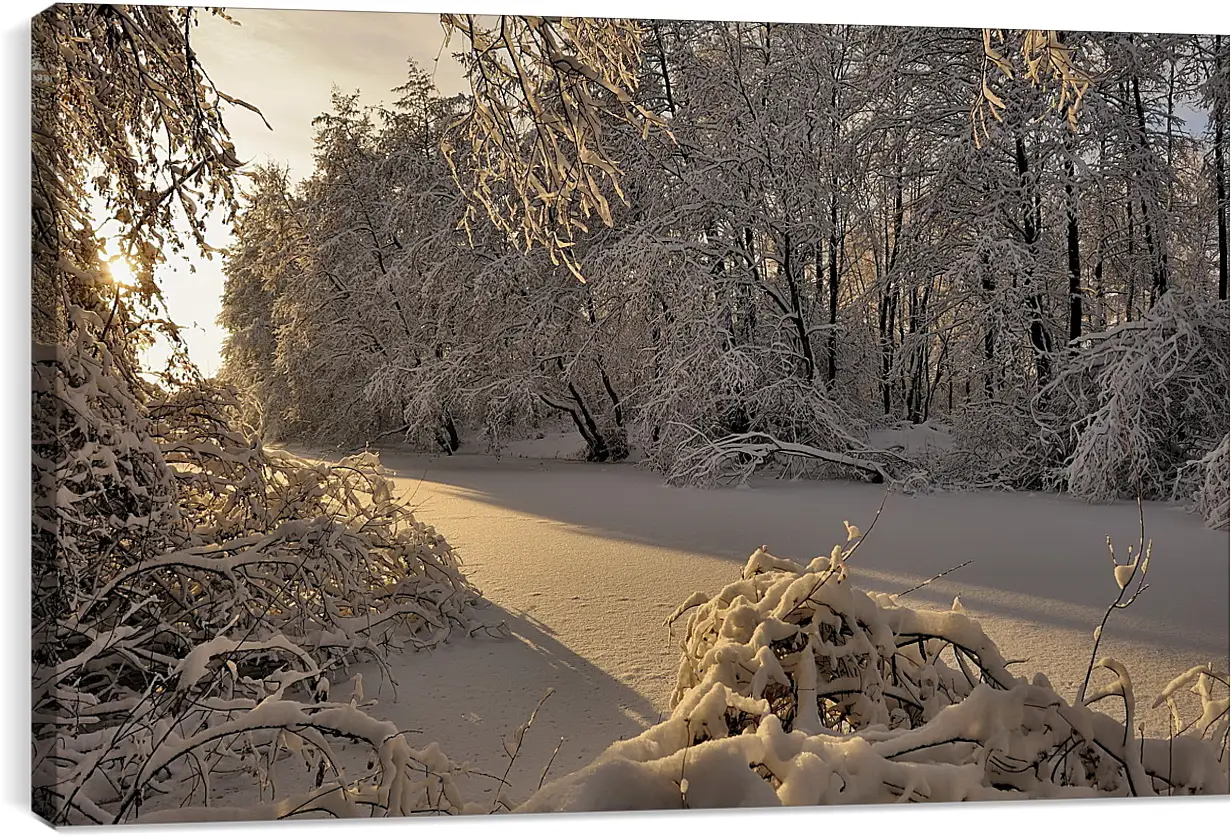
{"points": [[825, 233]]}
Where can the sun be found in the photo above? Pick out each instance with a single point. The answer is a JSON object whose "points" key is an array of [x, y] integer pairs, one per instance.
{"points": [[122, 274]]}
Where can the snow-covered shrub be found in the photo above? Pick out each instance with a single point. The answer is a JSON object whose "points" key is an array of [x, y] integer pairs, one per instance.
{"points": [[195, 592], [796, 688], [104, 496], [382, 569], [123, 725], [1144, 398], [1210, 482], [998, 444]]}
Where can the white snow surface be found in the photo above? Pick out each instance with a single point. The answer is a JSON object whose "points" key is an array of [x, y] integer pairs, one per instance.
{"points": [[553, 445], [584, 562], [926, 439]]}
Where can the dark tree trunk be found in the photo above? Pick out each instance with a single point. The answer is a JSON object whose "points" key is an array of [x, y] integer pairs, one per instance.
{"points": [[912, 326], [662, 67], [598, 445], [1132, 262], [886, 339], [1100, 303], [450, 434], [835, 247], [1158, 256], [619, 444], [889, 298], [989, 336], [796, 313], [1040, 337], [835, 235], [916, 412], [1074, 248]]}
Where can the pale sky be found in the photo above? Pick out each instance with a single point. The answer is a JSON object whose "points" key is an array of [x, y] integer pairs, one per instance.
{"points": [[286, 62]]}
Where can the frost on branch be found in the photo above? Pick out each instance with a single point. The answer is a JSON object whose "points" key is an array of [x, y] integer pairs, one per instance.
{"points": [[195, 592], [797, 688]]}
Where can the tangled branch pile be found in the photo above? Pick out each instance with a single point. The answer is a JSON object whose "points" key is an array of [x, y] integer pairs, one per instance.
{"points": [[797, 688], [737, 457], [193, 594]]}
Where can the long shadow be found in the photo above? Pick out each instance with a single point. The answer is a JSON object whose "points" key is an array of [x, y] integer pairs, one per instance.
{"points": [[470, 695], [1124, 625], [1042, 546]]}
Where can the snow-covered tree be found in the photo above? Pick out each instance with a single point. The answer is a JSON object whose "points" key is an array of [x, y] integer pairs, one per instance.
{"points": [[809, 241], [182, 628]]}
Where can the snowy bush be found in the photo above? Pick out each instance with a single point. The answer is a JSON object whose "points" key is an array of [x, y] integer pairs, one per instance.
{"points": [[797, 688], [103, 494], [1145, 397], [195, 592], [1210, 478], [997, 444]]}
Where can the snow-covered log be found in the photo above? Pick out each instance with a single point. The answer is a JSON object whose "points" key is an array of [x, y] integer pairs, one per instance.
{"points": [[736, 457]]}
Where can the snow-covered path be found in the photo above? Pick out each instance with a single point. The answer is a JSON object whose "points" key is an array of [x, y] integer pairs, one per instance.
{"points": [[584, 562]]}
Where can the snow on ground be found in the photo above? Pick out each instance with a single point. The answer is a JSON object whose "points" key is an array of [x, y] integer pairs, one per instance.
{"points": [[585, 561], [922, 440], [562, 445]]}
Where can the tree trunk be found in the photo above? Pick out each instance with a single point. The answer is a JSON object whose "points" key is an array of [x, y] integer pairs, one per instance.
{"points": [[662, 67], [1040, 337], [1074, 248], [835, 246], [797, 314], [1100, 303], [1132, 262], [1158, 255], [889, 298], [835, 237], [989, 336]]}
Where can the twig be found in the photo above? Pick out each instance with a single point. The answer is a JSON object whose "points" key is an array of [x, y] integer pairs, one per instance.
{"points": [[549, 762], [871, 527], [934, 578], [521, 735], [830, 572], [1142, 563]]}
